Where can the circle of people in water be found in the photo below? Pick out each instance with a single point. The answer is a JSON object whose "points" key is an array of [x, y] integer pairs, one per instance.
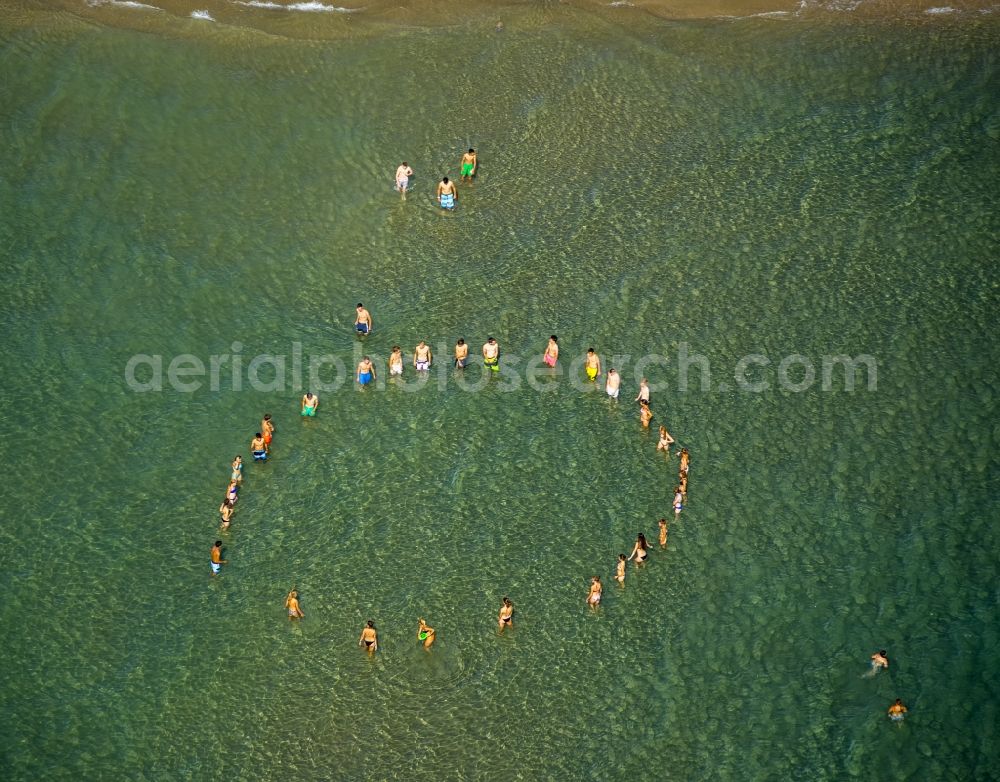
{"points": [[260, 448]]}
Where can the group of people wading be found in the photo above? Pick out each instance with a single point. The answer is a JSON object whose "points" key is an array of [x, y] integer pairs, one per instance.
{"points": [[366, 373]]}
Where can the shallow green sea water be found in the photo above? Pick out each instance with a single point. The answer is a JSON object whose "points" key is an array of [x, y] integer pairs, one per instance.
{"points": [[724, 188]]}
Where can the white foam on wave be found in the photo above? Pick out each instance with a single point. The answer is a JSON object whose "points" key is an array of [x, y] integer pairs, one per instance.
{"points": [[761, 15], [621, 4], [202, 15], [942, 9], [309, 7], [123, 4], [830, 5]]}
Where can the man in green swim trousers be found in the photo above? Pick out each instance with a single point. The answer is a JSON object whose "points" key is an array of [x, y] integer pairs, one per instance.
{"points": [[469, 163]]}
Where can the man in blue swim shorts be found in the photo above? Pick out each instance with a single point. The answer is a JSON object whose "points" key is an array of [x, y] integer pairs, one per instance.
{"points": [[363, 322], [217, 561], [366, 371], [258, 448], [446, 193]]}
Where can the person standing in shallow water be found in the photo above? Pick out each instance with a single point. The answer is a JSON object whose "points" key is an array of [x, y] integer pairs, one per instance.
{"points": [[639, 550], [226, 511], [403, 174], [897, 711], [292, 605], [363, 320], [551, 354], [469, 163], [491, 355], [620, 572], [643, 395], [216, 558], [366, 371], [259, 448], [506, 614], [879, 662], [422, 357], [267, 429], [396, 361], [447, 195], [594, 596], [613, 383], [369, 637], [461, 354], [665, 441], [592, 365], [309, 404], [645, 414], [425, 633], [663, 533]]}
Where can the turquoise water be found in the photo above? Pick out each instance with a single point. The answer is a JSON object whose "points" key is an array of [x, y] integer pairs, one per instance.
{"points": [[762, 186]]}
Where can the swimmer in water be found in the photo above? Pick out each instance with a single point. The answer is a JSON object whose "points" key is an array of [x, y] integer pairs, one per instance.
{"points": [[366, 371], [447, 195], [267, 429], [425, 633], [665, 441], [643, 391], [879, 661], [685, 461], [309, 404], [237, 473], [620, 572], [292, 604], [217, 561], [363, 321], [506, 614], [592, 365], [639, 550], [551, 354], [226, 512], [469, 164], [369, 637], [594, 596], [258, 448], [396, 361], [683, 486], [663, 533], [897, 711], [678, 501], [613, 383], [645, 414], [491, 354], [403, 174], [461, 354], [422, 357], [232, 493]]}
